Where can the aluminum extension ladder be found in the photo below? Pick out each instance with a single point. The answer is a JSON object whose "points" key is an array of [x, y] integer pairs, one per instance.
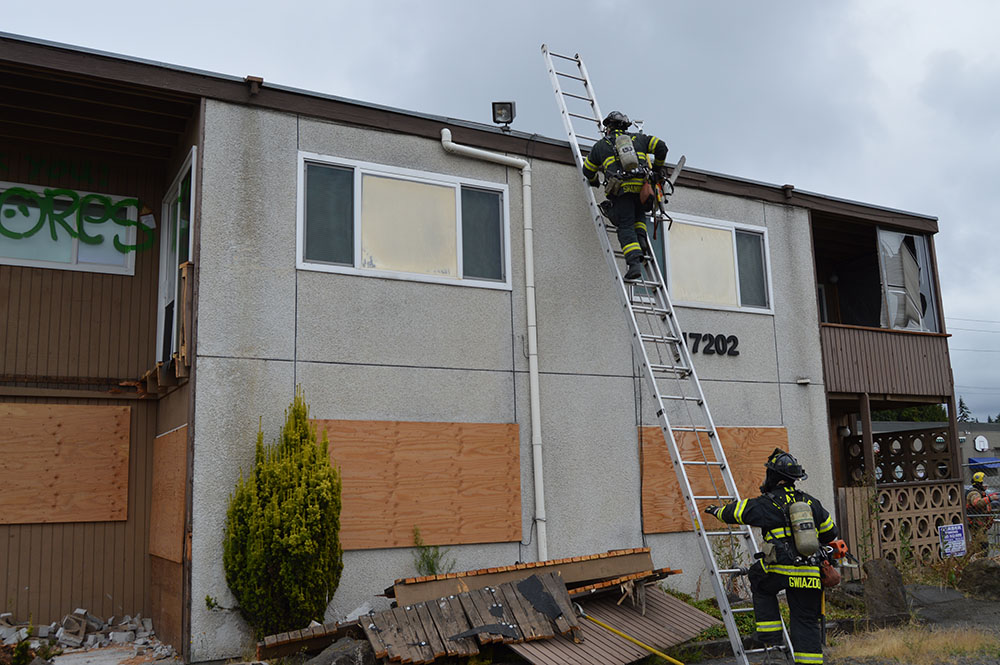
{"points": [[688, 428]]}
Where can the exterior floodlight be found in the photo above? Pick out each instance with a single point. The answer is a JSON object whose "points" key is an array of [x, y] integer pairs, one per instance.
{"points": [[503, 114]]}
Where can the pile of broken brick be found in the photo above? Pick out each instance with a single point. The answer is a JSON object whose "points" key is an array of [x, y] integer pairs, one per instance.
{"points": [[83, 630]]}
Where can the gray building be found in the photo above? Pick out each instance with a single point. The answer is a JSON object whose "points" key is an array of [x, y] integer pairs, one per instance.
{"points": [[303, 239]]}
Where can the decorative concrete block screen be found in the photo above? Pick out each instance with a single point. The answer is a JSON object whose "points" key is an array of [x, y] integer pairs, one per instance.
{"points": [[746, 450], [903, 457], [64, 463], [457, 482], [166, 524], [909, 517]]}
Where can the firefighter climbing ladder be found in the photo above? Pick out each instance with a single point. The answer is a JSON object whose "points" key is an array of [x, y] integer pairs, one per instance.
{"points": [[688, 428]]}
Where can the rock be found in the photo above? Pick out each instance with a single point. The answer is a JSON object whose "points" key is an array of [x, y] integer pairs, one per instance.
{"points": [[147, 625], [885, 597], [6, 619], [6, 632], [69, 638], [122, 636], [38, 660], [981, 578], [345, 652]]}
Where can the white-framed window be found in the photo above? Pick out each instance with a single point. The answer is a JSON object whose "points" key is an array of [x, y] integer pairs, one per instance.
{"points": [[370, 219], [175, 250], [716, 264], [68, 229]]}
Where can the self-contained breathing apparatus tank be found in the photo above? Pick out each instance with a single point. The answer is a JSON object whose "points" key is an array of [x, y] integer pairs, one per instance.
{"points": [[800, 518]]}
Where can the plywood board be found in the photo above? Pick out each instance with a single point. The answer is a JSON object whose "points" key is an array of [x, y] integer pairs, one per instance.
{"points": [[746, 450], [64, 463], [457, 482], [166, 519]]}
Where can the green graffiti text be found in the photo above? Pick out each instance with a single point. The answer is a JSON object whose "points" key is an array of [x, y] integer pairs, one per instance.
{"points": [[69, 210]]}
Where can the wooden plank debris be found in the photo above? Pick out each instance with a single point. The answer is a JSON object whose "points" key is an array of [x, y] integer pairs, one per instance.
{"points": [[591, 568]]}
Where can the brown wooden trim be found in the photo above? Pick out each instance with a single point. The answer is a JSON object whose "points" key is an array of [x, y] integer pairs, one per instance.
{"points": [[20, 391], [894, 331]]}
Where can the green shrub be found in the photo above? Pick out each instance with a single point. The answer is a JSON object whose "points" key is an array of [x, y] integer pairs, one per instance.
{"points": [[282, 551]]}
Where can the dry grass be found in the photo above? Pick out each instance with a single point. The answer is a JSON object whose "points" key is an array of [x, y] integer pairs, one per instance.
{"points": [[915, 645]]}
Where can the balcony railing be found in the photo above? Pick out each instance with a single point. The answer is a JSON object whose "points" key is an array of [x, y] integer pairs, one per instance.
{"points": [[886, 362]]}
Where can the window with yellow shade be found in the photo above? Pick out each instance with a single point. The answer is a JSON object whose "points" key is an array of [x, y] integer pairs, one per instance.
{"points": [[377, 220]]}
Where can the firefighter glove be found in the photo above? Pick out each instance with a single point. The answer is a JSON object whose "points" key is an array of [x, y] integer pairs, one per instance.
{"points": [[712, 510], [594, 183]]}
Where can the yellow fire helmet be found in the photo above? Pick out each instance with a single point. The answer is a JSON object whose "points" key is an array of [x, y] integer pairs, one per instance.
{"points": [[978, 477]]}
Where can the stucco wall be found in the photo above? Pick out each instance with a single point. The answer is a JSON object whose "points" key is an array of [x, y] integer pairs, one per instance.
{"points": [[382, 349]]}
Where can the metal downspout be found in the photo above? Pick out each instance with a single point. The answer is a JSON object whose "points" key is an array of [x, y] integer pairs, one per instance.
{"points": [[529, 288]]}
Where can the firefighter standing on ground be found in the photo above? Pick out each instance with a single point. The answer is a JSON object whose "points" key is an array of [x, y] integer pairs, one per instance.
{"points": [[783, 566], [623, 159], [978, 503]]}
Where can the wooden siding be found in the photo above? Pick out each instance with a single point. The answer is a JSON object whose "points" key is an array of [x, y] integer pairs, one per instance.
{"points": [[63, 463], [663, 509], [76, 332], [457, 482], [886, 362], [58, 324], [48, 570]]}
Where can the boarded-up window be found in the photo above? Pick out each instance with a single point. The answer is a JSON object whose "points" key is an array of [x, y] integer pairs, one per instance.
{"points": [[457, 482], [746, 451], [166, 511], [63, 463]]}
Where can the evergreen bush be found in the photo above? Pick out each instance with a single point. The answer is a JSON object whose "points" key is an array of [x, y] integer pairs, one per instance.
{"points": [[282, 553]]}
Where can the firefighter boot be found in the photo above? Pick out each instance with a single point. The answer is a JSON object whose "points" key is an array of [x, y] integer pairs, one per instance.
{"points": [[634, 272]]}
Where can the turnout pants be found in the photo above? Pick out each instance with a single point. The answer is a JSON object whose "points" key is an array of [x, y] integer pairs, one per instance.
{"points": [[804, 605], [629, 218]]}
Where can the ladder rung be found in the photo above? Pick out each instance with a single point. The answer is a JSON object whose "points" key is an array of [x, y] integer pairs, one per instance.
{"points": [[736, 532], [684, 398], [741, 610], [776, 647], [658, 339], [589, 138], [669, 368], [569, 76], [703, 463], [652, 310], [574, 58], [693, 429], [731, 571], [720, 497], [582, 117], [570, 94]]}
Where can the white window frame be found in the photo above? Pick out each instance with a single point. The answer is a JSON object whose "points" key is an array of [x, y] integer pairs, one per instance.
{"points": [[130, 236], [361, 169], [732, 227], [162, 297]]}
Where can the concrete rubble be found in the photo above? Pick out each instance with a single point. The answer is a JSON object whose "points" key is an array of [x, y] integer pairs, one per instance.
{"points": [[81, 630]]}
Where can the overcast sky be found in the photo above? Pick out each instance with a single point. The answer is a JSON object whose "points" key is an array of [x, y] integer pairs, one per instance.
{"points": [[890, 102]]}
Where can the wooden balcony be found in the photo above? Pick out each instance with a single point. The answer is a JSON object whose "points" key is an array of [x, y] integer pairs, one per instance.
{"points": [[885, 362]]}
